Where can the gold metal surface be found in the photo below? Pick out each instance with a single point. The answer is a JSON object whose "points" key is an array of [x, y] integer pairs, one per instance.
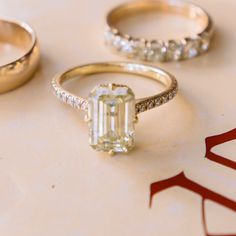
{"points": [[179, 7], [17, 72]]}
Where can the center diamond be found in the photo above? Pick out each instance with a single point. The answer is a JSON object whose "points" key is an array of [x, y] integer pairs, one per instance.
{"points": [[111, 116]]}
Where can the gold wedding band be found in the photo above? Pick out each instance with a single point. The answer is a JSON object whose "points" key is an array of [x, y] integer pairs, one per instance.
{"points": [[112, 109], [156, 49], [17, 72]]}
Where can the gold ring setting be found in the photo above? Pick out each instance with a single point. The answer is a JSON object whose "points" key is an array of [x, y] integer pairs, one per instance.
{"points": [[17, 72], [112, 109], [156, 50]]}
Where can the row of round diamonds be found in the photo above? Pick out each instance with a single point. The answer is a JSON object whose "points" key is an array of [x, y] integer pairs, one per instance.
{"points": [[155, 101], [157, 50], [74, 101]]}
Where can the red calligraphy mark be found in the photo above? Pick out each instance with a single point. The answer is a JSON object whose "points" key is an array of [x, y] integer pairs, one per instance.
{"points": [[214, 141], [182, 181], [204, 222]]}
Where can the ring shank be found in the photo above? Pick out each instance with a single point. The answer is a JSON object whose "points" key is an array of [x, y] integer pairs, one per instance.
{"points": [[13, 33], [179, 7], [142, 104], [176, 7], [20, 70]]}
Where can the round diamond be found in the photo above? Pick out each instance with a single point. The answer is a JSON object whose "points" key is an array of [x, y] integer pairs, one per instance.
{"points": [[205, 45], [77, 103], [192, 48], [64, 97], [151, 105], [174, 50], [158, 101], [70, 100], [193, 52], [156, 51], [171, 95], [165, 99], [126, 46], [143, 108], [149, 54], [141, 49]]}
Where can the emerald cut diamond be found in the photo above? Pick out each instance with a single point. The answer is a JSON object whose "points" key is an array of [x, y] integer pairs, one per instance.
{"points": [[111, 117]]}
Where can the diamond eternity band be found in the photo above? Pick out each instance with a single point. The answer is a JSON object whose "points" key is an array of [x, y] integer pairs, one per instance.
{"points": [[156, 50]]}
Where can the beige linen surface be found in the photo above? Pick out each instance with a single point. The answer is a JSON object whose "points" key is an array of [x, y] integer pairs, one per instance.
{"points": [[53, 183]]}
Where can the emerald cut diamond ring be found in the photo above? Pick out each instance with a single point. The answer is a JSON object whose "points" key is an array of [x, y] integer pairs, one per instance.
{"points": [[112, 109]]}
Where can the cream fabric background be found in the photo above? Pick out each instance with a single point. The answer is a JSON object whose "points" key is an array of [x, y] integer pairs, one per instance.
{"points": [[53, 183]]}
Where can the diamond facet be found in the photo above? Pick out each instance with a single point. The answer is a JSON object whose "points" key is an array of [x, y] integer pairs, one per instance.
{"points": [[111, 115], [192, 48], [157, 51], [127, 47], [175, 50]]}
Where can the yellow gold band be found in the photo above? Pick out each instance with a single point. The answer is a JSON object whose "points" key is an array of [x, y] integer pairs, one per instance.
{"points": [[17, 72]]}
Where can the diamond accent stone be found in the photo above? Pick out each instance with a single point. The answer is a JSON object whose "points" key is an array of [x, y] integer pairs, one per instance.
{"points": [[141, 49], [64, 97], [193, 52], [125, 46], [205, 44], [165, 99], [158, 50], [171, 96], [192, 48], [70, 100], [143, 107], [111, 114], [158, 101], [77, 103], [174, 50], [151, 104]]}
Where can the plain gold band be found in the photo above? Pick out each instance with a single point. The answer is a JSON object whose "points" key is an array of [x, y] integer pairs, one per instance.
{"points": [[16, 73]]}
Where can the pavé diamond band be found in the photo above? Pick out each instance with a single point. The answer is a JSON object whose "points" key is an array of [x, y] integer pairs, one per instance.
{"points": [[112, 109], [159, 50], [17, 72]]}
